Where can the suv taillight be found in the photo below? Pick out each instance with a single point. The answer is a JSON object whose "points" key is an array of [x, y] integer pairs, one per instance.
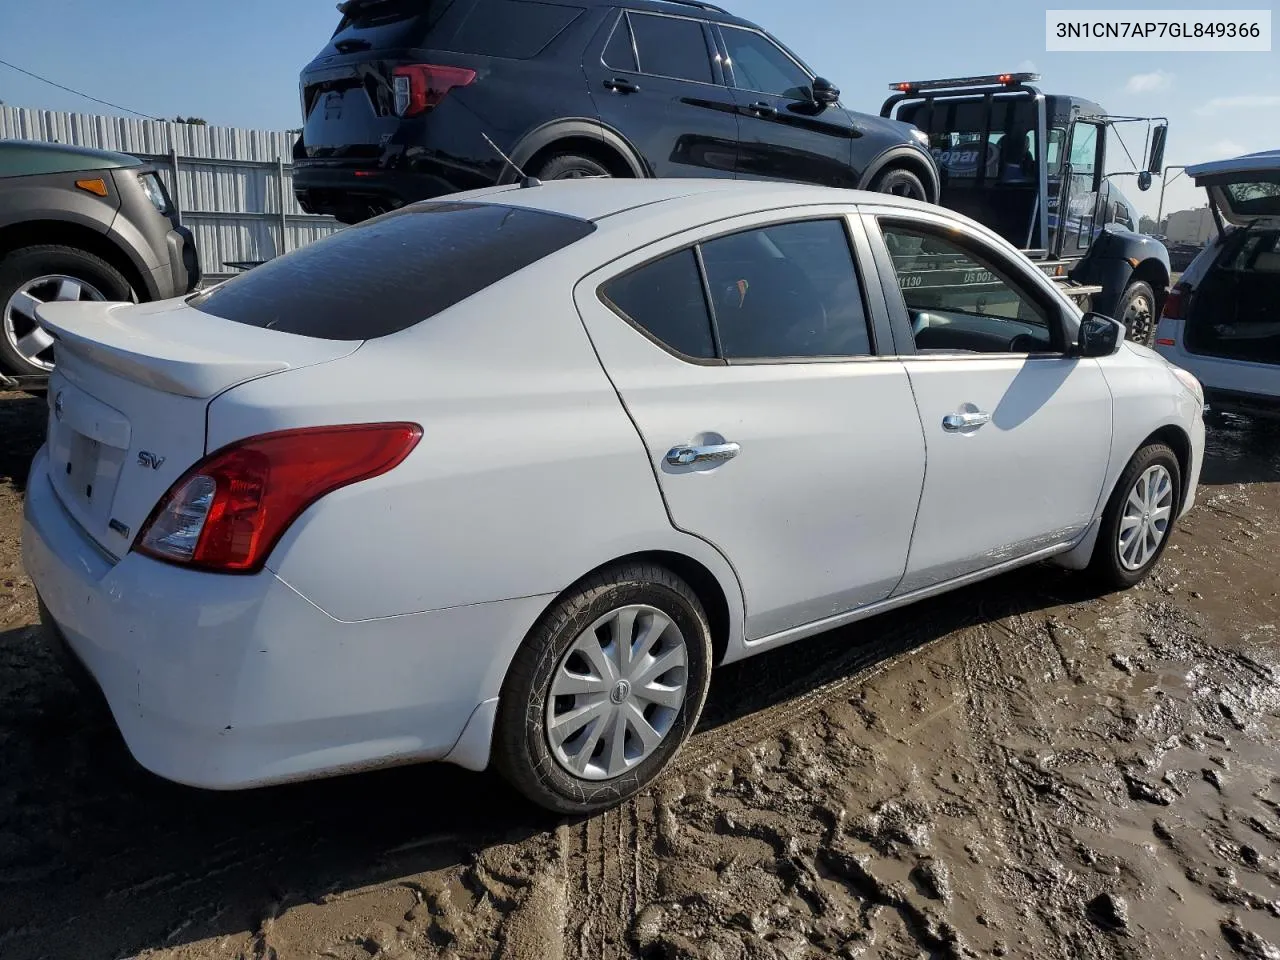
{"points": [[1175, 303], [421, 86], [228, 512]]}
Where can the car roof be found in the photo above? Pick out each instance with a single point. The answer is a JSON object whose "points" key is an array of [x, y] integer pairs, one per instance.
{"points": [[688, 8], [599, 199], [1263, 160]]}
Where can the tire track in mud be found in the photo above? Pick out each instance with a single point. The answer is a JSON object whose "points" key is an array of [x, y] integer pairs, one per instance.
{"points": [[607, 857], [1032, 842]]}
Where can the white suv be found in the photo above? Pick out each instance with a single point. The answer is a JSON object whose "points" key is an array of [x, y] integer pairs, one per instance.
{"points": [[1222, 321]]}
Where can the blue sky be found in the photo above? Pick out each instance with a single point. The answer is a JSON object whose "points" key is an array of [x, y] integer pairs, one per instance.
{"points": [[236, 62]]}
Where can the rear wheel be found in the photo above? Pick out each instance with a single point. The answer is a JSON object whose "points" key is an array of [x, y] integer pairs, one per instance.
{"points": [[31, 276], [901, 183], [571, 166], [604, 690], [1137, 311], [1139, 517]]}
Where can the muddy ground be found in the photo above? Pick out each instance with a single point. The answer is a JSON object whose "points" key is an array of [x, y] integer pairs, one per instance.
{"points": [[1021, 769]]}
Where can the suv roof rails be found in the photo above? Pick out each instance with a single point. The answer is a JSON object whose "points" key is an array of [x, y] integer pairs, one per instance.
{"points": [[700, 4]]}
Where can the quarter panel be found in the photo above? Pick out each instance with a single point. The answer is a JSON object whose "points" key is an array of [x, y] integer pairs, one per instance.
{"points": [[528, 476]]}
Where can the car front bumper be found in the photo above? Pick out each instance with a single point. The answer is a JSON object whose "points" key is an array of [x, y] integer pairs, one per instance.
{"points": [[229, 682]]}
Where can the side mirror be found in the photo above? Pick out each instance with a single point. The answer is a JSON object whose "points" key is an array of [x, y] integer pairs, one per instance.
{"points": [[824, 91], [1100, 336], [1159, 137], [1144, 180]]}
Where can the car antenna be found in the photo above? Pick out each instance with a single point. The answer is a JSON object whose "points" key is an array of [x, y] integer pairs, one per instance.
{"points": [[525, 180]]}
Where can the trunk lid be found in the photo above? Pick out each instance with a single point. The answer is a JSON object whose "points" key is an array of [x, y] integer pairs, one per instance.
{"points": [[1244, 191], [128, 400]]}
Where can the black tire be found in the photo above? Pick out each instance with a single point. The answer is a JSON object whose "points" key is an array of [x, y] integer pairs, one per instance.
{"points": [[571, 166], [522, 753], [1140, 300], [900, 182], [1105, 564], [29, 263]]}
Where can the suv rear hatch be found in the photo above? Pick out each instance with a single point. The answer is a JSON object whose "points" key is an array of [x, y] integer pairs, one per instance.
{"points": [[1234, 312], [128, 400], [392, 60]]}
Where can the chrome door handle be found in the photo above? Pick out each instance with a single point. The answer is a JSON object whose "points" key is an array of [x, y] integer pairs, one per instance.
{"points": [[954, 422], [711, 453]]}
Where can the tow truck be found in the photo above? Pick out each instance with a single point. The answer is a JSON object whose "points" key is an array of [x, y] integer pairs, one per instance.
{"points": [[1031, 167]]}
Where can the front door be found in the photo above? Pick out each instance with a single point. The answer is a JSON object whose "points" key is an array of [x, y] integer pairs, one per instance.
{"points": [[1017, 433], [774, 431], [783, 134], [1080, 214], [654, 79]]}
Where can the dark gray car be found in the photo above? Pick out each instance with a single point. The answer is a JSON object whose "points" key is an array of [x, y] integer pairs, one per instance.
{"points": [[81, 224]]}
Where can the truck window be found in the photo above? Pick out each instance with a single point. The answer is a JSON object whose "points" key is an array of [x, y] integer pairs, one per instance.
{"points": [[1084, 149]]}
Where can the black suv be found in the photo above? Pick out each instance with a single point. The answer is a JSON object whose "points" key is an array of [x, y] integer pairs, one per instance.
{"points": [[398, 105]]}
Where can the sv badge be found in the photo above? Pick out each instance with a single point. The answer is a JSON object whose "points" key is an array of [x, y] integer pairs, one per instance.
{"points": [[146, 459]]}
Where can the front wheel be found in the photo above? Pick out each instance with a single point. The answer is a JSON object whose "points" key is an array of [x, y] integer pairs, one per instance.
{"points": [[35, 275], [1137, 311], [604, 690], [1139, 518]]}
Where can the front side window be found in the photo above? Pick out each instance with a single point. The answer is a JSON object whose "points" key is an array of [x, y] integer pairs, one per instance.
{"points": [[761, 66], [959, 300], [671, 47]]}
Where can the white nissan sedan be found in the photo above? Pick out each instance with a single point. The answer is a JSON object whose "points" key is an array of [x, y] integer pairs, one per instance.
{"points": [[499, 478]]}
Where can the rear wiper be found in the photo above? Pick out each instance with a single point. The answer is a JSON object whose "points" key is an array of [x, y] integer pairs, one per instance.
{"points": [[350, 46]]}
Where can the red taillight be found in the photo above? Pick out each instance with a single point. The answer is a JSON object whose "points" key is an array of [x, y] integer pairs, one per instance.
{"points": [[1174, 303], [421, 86], [228, 511]]}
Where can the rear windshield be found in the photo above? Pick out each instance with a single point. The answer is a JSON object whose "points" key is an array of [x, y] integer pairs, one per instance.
{"points": [[386, 275], [971, 142], [1254, 198], [516, 29]]}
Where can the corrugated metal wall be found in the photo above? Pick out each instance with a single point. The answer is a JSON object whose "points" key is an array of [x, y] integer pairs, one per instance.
{"points": [[229, 182]]}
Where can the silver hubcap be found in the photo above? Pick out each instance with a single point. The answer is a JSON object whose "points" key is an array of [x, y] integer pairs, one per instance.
{"points": [[1137, 319], [24, 334], [1147, 514], [617, 692]]}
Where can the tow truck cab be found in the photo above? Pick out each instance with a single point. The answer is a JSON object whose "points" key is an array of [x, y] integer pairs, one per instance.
{"points": [[1033, 168]]}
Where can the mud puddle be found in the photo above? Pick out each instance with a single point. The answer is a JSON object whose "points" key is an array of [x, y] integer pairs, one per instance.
{"points": [[1023, 769]]}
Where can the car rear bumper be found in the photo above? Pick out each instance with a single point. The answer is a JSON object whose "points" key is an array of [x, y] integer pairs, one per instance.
{"points": [[229, 682], [334, 189]]}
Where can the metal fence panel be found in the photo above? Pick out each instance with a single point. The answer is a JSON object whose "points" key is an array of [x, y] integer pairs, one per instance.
{"points": [[229, 182]]}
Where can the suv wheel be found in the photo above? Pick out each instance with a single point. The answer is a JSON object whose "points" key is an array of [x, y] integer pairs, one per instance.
{"points": [[1137, 311], [901, 183], [571, 166], [604, 690], [31, 276]]}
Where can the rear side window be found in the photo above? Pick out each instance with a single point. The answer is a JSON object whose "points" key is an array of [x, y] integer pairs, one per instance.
{"points": [[619, 52], [671, 47], [516, 29], [386, 275], [665, 299]]}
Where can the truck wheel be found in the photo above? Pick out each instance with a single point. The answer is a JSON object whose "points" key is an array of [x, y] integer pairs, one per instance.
{"points": [[31, 276], [901, 183], [1137, 311], [569, 166]]}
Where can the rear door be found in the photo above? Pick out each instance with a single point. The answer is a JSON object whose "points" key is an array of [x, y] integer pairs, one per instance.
{"points": [[1017, 433], [783, 134], [775, 431], [654, 78]]}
